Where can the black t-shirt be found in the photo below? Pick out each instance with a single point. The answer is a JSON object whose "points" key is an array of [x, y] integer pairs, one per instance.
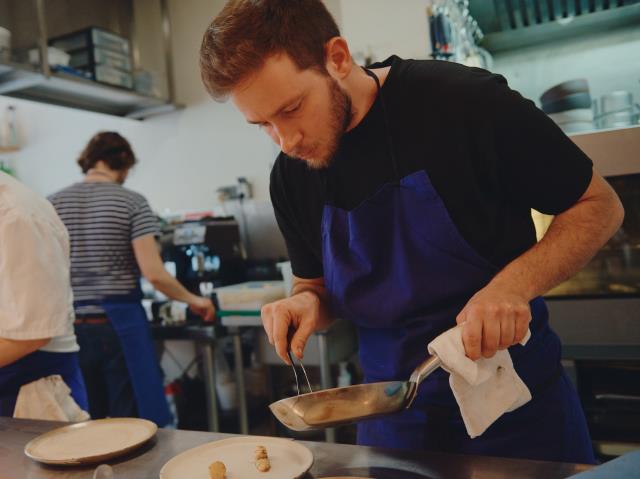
{"points": [[491, 155]]}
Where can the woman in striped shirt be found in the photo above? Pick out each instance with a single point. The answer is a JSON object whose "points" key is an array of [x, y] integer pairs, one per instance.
{"points": [[112, 232]]}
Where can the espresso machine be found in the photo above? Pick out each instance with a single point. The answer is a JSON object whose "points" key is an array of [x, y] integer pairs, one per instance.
{"points": [[206, 254]]}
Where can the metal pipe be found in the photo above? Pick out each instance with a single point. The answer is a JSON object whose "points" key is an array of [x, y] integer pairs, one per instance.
{"points": [[210, 385], [325, 376], [243, 414], [42, 40], [166, 43]]}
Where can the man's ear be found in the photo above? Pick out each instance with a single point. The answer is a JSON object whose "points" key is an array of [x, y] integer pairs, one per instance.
{"points": [[338, 58]]}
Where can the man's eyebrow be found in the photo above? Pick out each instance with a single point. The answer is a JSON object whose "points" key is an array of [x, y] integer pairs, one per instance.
{"points": [[284, 106]]}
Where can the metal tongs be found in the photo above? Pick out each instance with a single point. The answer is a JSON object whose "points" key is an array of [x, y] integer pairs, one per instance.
{"points": [[295, 373]]}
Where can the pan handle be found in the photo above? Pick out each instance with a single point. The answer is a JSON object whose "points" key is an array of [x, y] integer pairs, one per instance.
{"points": [[428, 366]]}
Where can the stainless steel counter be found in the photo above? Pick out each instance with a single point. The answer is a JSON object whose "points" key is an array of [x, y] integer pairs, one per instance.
{"points": [[330, 459]]}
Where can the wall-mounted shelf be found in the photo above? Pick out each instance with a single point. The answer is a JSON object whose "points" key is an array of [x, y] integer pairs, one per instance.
{"points": [[75, 92], [46, 84], [614, 151]]}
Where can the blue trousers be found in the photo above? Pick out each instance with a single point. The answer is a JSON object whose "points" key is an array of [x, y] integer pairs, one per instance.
{"points": [[105, 372]]}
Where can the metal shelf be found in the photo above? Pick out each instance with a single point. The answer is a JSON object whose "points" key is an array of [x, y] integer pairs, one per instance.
{"points": [[75, 92], [63, 89], [513, 25]]}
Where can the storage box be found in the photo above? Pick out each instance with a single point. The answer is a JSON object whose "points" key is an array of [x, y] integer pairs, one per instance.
{"points": [[250, 296], [87, 58], [113, 76], [90, 38]]}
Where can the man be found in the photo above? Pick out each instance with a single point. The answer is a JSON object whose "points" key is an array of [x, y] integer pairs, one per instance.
{"points": [[112, 233], [404, 195], [36, 311]]}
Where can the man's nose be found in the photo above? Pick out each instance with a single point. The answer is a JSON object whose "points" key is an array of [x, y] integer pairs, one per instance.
{"points": [[289, 140]]}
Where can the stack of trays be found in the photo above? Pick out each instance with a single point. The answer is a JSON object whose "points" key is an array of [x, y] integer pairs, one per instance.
{"points": [[104, 55], [569, 105]]}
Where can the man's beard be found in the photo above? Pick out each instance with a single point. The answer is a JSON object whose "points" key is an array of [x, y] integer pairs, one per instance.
{"points": [[341, 115]]}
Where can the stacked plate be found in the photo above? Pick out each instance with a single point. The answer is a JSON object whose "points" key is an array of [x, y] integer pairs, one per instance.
{"points": [[569, 105]]}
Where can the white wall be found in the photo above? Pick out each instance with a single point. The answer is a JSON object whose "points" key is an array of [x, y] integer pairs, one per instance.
{"points": [[384, 27], [610, 61]]}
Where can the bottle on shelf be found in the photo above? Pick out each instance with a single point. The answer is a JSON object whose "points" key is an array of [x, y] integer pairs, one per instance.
{"points": [[10, 129]]}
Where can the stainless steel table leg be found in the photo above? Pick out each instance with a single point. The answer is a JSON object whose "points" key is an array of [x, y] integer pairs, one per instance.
{"points": [[209, 372], [325, 377], [242, 393]]}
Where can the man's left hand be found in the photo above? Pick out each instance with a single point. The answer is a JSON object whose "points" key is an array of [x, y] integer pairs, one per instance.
{"points": [[492, 320]]}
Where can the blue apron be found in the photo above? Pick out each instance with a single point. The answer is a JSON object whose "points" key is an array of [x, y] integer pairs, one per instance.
{"points": [[37, 365], [129, 320], [397, 266]]}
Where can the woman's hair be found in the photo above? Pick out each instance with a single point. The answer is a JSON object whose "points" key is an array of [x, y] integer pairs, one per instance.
{"points": [[109, 147]]}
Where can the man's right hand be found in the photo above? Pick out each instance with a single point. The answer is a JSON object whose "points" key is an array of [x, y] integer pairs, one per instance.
{"points": [[301, 313]]}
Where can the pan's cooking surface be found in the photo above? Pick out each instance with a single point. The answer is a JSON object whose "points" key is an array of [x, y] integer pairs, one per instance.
{"points": [[340, 405]]}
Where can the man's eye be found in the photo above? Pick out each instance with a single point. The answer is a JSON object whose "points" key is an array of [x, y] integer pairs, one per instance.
{"points": [[294, 108]]}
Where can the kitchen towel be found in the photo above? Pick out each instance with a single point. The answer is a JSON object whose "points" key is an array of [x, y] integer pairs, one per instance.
{"points": [[48, 398], [484, 389]]}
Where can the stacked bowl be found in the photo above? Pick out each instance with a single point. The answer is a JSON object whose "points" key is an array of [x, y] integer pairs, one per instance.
{"points": [[569, 105]]}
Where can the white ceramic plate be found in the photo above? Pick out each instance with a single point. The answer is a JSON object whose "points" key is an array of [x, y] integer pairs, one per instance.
{"points": [[90, 441], [289, 459]]}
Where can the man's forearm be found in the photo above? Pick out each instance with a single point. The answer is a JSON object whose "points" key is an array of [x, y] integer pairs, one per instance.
{"points": [[572, 239], [171, 287]]}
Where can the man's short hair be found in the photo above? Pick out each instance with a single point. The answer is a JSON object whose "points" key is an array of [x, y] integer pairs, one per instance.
{"points": [[246, 32]]}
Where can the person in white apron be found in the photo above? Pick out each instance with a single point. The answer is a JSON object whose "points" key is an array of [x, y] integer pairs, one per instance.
{"points": [[36, 311]]}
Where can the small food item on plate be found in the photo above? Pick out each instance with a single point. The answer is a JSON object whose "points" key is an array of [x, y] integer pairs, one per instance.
{"points": [[262, 459], [263, 465], [217, 470], [261, 452]]}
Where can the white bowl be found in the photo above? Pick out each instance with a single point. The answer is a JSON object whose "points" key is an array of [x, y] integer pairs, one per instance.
{"points": [[569, 116]]}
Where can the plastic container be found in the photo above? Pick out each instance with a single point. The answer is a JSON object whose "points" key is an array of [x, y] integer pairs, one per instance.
{"points": [[10, 128], [55, 56], [113, 76], [249, 296], [287, 276], [87, 58], [344, 378], [5, 45]]}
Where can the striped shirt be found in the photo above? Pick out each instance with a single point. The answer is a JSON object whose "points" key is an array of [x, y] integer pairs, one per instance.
{"points": [[103, 219]]}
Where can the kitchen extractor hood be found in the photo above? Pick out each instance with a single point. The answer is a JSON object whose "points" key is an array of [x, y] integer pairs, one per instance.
{"points": [[511, 24]]}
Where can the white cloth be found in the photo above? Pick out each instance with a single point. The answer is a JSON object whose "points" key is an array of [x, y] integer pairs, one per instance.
{"points": [[49, 399], [36, 300], [484, 389]]}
